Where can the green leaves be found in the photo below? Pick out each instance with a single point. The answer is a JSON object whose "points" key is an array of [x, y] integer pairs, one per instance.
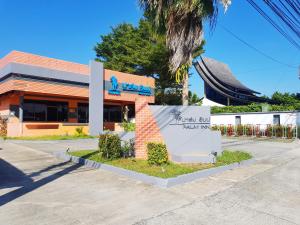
{"points": [[138, 50], [110, 146], [133, 50], [285, 98], [194, 99], [182, 23], [157, 153], [182, 72]]}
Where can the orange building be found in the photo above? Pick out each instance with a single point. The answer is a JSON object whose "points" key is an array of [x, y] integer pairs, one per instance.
{"points": [[46, 96]]}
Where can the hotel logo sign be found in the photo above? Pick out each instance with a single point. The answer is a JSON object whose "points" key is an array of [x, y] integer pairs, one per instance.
{"points": [[189, 122], [139, 89], [114, 86]]}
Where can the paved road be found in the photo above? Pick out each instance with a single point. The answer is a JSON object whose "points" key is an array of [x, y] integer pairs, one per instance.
{"points": [[37, 189]]}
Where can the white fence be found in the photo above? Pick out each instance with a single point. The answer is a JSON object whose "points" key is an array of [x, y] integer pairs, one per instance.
{"points": [[270, 124]]}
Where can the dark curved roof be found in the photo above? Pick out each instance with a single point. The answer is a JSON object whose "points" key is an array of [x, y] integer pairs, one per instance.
{"points": [[219, 77], [222, 72]]}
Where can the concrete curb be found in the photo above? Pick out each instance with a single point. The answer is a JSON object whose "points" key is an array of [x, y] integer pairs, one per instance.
{"points": [[160, 182]]}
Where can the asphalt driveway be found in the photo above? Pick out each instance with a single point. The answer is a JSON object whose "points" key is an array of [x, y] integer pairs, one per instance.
{"points": [[36, 188]]}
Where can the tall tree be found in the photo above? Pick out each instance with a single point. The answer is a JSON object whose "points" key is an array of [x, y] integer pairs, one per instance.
{"points": [[182, 23], [136, 50]]}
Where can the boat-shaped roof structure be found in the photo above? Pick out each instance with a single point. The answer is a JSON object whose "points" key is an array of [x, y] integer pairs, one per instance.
{"points": [[222, 86]]}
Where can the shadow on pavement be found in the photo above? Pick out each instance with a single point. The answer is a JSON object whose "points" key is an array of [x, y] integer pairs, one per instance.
{"points": [[10, 176], [25, 181], [34, 174]]}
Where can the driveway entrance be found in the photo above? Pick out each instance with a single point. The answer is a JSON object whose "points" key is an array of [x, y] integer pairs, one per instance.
{"points": [[36, 189]]}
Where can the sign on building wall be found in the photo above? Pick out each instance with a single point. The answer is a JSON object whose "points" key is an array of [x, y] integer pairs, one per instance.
{"points": [[190, 121], [115, 88]]}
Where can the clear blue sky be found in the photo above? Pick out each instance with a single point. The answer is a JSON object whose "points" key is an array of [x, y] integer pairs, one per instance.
{"points": [[68, 29]]}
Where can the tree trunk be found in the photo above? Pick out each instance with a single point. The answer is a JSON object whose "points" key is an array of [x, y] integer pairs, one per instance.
{"points": [[185, 90]]}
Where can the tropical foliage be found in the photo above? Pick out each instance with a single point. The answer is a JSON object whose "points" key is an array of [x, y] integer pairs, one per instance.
{"points": [[285, 102], [194, 99], [182, 23], [286, 98], [253, 108], [110, 146], [128, 126], [248, 130], [136, 50]]}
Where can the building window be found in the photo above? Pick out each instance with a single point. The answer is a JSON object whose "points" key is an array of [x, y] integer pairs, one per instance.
{"points": [[238, 120], [276, 119], [112, 113], [45, 111], [83, 112], [131, 112]]}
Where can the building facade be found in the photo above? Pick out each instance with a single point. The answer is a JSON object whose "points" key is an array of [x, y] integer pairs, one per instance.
{"points": [[46, 96]]}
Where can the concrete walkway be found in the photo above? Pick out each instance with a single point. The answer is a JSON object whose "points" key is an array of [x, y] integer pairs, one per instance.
{"points": [[38, 189]]}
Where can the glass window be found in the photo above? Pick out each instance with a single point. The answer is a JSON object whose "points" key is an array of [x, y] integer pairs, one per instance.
{"points": [[45, 111], [83, 112], [238, 120], [112, 113], [131, 112], [276, 119]]}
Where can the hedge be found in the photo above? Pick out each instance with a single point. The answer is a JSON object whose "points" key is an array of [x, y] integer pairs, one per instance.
{"points": [[278, 131], [253, 108]]}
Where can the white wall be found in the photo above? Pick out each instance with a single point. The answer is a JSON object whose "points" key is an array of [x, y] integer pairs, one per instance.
{"points": [[207, 102], [286, 118]]}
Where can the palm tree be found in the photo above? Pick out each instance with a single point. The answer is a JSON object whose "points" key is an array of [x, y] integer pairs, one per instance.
{"points": [[182, 23]]}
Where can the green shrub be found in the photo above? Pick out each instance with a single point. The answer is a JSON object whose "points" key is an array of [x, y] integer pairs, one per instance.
{"points": [[128, 148], [239, 130], [3, 127], [128, 126], [228, 157], [110, 146], [79, 131], [278, 129], [289, 132], [249, 130], [214, 127], [236, 109], [254, 108], [269, 131], [157, 153]]}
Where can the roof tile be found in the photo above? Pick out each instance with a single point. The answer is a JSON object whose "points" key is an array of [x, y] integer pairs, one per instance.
{"points": [[42, 61]]}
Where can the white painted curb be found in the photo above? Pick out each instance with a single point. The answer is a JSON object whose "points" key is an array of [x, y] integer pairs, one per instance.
{"points": [[160, 182]]}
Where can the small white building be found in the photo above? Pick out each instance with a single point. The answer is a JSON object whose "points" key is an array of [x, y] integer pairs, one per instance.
{"points": [[257, 118]]}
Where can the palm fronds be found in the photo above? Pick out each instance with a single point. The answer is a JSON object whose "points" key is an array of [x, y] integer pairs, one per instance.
{"points": [[182, 22]]}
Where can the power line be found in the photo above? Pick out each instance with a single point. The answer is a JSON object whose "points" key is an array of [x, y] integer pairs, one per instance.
{"points": [[286, 16], [256, 49], [287, 20]]}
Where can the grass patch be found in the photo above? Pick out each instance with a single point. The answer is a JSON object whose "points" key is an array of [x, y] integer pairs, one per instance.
{"points": [[167, 170], [229, 157], [49, 137]]}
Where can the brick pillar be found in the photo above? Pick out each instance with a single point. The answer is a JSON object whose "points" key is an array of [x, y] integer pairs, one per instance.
{"points": [[146, 128]]}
